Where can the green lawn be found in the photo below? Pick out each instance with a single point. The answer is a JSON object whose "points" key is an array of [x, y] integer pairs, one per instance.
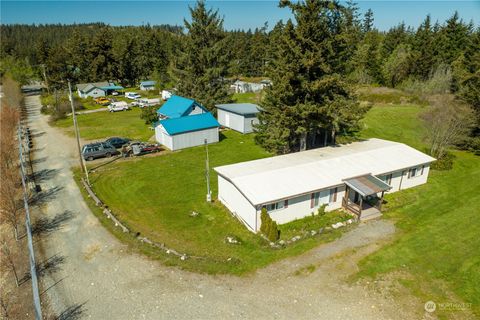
{"points": [[156, 195], [103, 124], [438, 242], [250, 97]]}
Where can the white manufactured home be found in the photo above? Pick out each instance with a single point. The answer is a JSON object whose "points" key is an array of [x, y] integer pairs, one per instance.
{"points": [[240, 117], [354, 177]]}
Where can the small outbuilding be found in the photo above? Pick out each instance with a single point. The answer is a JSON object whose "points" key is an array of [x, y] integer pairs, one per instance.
{"points": [[353, 177], [96, 89], [189, 131], [147, 85], [185, 123], [240, 117]]}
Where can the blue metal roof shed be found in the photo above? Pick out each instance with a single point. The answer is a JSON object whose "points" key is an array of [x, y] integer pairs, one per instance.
{"points": [[196, 122], [177, 107]]}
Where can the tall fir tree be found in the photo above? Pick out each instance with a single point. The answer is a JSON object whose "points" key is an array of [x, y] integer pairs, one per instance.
{"points": [[368, 21], [309, 103], [203, 64]]}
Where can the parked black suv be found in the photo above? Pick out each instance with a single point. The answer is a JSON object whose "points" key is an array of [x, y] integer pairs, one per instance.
{"points": [[117, 142], [98, 150]]}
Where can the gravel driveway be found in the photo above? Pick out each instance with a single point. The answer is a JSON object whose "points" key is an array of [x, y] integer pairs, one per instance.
{"points": [[99, 279]]}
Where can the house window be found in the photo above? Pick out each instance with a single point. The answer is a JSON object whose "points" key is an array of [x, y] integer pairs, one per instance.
{"points": [[276, 205], [415, 172], [314, 199], [333, 195], [285, 204]]}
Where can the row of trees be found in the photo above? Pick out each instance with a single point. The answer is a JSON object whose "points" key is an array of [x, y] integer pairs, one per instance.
{"points": [[313, 62], [10, 205]]}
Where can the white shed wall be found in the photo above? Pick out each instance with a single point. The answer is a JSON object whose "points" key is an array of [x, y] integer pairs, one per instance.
{"points": [[192, 139], [248, 124], [231, 198], [231, 120]]}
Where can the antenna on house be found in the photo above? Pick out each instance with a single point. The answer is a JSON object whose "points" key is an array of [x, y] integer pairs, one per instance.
{"points": [[77, 133], [207, 174]]}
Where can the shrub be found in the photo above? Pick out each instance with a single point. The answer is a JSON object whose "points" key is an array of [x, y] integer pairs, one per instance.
{"points": [[273, 232], [149, 114], [321, 209], [444, 163], [269, 227]]}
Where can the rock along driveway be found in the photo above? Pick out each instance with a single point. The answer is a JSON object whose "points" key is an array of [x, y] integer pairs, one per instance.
{"points": [[97, 279]]}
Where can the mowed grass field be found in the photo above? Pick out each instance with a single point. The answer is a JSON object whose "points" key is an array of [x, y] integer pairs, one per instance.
{"points": [[104, 124], [155, 196], [436, 252]]}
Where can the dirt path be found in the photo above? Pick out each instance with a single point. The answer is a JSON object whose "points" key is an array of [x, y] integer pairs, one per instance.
{"points": [[97, 279]]}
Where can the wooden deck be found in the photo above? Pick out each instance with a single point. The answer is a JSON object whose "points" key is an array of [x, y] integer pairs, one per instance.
{"points": [[368, 212]]}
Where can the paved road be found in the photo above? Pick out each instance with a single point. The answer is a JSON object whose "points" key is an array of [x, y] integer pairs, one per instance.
{"points": [[98, 273]]}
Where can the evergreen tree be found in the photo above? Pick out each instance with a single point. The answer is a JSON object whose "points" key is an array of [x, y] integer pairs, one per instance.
{"points": [[397, 66], [202, 62], [368, 21], [308, 97], [423, 58]]}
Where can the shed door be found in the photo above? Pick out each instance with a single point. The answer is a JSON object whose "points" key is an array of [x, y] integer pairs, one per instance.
{"points": [[227, 120]]}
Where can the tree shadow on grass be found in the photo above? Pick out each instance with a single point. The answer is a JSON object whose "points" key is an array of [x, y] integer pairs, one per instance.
{"points": [[73, 312], [45, 226], [49, 266], [44, 196]]}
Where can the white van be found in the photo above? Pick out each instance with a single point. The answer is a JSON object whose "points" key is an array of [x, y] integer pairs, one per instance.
{"points": [[118, 106], [132, 95], [142, 103]]}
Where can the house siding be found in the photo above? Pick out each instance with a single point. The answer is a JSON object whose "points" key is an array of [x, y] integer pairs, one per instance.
{"points": [[300, 206], [238, 205]]}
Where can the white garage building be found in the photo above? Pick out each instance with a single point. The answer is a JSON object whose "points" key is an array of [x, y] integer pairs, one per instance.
{"points": [[240, 117], [292, 186], [185, 123]]}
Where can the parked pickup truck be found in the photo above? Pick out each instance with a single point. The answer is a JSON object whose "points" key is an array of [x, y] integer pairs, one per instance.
{"points": [[142, 103], [118, 106], [132, 95]]}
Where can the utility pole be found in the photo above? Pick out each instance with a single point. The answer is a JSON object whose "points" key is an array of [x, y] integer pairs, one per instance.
{"points": [[45, 77], [207, 174], [77, 133]]}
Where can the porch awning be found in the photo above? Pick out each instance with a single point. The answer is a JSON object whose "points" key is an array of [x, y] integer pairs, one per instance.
{"points": [[367, 185]]}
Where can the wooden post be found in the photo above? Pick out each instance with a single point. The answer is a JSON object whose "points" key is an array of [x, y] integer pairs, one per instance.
{"points": [[360, 209], [381, 201], [347, 190]]}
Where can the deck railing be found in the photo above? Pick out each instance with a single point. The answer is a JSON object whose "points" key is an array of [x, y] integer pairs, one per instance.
{"points": [[351, 206]]}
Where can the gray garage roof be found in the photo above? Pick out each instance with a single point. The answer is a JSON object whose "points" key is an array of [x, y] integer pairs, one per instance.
{"points": [[240, 108]]}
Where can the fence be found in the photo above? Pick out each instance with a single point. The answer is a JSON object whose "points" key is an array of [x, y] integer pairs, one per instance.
{"points": [[33, 270]]}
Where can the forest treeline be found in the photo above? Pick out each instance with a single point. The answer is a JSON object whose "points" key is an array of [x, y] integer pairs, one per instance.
{"points": [[313, 61]]}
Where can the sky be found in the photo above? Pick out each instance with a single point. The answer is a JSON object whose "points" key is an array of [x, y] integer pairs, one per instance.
{"points": [[236, 14]]}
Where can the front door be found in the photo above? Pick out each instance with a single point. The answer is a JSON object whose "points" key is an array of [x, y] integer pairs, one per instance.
{"points": [[356, 197]]}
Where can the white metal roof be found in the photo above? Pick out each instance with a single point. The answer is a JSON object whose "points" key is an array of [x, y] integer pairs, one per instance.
{"points": [[266, 180]]}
